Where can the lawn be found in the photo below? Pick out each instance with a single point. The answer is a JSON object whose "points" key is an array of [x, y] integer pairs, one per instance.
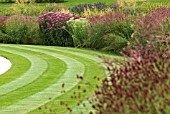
{"points": [[42, 71], [71, 3]]}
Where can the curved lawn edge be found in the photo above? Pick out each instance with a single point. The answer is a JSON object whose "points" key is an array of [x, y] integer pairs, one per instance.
{"points": [[33, 100], [93, 53], [56, 68], [40, 98], [38, 66], [5, 65], [92, 57]]}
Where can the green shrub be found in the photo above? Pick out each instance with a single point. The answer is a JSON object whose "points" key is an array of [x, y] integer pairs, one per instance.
{"points": [[115, 43], [53, 7], [77, 28], [110, 31], [23, 9], [23, 29], [5, 38], [95, 36], [2, 28]]}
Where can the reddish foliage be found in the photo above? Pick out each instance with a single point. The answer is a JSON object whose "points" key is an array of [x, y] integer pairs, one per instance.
{"points": [[55, 20], [106, 18], [153, 26], [3, 18], [141, 83]]}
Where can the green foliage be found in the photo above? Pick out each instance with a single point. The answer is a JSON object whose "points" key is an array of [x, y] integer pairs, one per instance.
{"points": [[2, 28], [23, 9], [95, 36], [53, 7], [77, 28], [22, 29], [4, 38], [147, 7], [115, 43], [110, 35]]}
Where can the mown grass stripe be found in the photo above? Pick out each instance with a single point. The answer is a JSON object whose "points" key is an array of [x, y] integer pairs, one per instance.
{"points": [[91, 57], [40, 98], [83, 53], [38, 66], [88, 65], [93, 53], [91, 70], [55, 69], [19, 66]]}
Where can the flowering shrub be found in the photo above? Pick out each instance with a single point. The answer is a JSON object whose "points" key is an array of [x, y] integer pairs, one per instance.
{"points": [[155, 25], [3, 18], [53, 29], [107, 18], [139, 85], [82, 7], [77, 28], [2, 23]]}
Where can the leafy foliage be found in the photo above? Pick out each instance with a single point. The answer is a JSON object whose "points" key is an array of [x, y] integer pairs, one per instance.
{"points": [[21, 29], [23, 9], [109, 30], [77, 28]]}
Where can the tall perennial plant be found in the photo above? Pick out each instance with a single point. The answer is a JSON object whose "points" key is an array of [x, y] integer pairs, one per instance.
{"points": [[53, 29]]}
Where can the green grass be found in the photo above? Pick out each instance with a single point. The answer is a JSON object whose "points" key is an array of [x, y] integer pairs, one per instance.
{"points": [[159, 0], [72, 3], [3, 6], [69, 3], [49, 67]]}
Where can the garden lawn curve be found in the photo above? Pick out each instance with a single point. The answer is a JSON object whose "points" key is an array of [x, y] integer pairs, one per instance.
{"points": [[41, 84]]}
